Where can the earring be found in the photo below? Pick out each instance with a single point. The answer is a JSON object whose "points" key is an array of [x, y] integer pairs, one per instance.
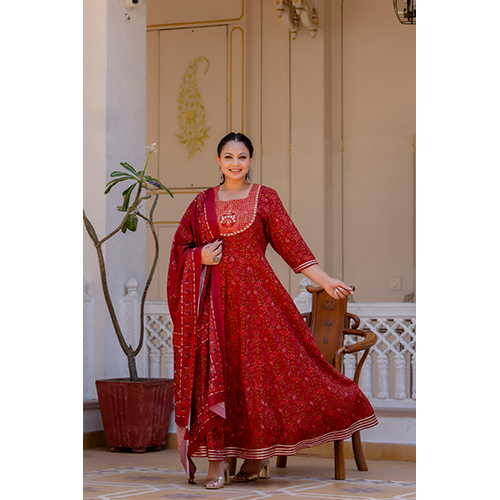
{"points": [[222, 177], [249, 174]]}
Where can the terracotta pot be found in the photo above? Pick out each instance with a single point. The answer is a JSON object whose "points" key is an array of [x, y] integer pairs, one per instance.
{"points": [[135, 415]]}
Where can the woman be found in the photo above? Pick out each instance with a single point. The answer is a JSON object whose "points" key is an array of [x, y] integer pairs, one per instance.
{"points": [[250, 381]]}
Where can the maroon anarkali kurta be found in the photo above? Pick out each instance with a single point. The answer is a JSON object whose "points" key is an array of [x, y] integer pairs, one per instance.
{"points": [[279, 393]]}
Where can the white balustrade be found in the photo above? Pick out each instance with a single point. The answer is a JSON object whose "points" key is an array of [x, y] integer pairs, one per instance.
{"points": [[388, 377], [159, 327]]}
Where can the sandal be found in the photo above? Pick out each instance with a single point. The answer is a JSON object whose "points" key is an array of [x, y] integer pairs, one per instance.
{"points": [[244, 476], [215, 483]]}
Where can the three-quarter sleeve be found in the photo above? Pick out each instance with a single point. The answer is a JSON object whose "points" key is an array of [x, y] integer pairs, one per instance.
{"points": [[283, 236]]}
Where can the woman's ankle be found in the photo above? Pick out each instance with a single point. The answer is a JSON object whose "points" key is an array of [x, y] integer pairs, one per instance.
{"points": [[216, 467]]}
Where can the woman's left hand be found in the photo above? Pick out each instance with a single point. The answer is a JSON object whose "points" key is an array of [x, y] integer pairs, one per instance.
{"points": [[337, 289]]}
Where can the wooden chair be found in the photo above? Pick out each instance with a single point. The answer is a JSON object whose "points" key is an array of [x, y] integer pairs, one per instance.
{"points": [[329, 322]]}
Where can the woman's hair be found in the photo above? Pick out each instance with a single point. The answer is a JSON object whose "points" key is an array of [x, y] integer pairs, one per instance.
{"points": [[232, 136]]}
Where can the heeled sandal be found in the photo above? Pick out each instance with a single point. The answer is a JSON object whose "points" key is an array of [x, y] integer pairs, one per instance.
{"points": [[215, 483], [244, 477]]}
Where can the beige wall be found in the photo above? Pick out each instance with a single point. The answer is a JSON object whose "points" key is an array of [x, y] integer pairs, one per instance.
{"points": [[298, 100], [378, 131]]}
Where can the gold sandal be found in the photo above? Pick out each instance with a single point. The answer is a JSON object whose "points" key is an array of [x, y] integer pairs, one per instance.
{"points": [[215, 483], [244, 476]]}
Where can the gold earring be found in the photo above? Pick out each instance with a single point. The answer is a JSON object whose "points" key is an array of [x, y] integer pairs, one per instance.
{"points": [[221, 176]]}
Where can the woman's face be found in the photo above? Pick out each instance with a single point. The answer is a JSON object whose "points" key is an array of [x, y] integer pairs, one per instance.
{"points": [[234, 160]]}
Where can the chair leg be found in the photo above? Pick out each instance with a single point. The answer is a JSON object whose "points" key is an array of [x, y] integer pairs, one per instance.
{"points": [[281, 461], [339, 460], [358, 452], [232, 465]]}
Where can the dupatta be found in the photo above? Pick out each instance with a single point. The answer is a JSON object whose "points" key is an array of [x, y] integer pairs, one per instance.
{"points": [[194, 300]]}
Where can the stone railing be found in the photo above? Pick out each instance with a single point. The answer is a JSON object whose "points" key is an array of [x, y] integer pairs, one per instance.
{"points": [[159, 326], [388, 377]]}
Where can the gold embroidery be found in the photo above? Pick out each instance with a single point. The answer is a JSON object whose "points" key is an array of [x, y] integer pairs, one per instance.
{"points": [[235, 216], [191, 112]]}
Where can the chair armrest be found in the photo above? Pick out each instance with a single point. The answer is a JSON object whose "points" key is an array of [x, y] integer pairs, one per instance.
{"points": [[355, 320], [369, 341]]}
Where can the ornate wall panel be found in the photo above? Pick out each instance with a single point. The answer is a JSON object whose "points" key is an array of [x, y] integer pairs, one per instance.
{"points": [[192, 103], [168, 13], [196, 94]]}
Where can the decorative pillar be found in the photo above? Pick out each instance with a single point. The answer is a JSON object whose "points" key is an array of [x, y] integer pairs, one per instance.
{"points": [[303, 301]]}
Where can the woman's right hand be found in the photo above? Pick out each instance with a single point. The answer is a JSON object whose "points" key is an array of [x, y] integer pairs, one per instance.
{"points": [[211, 254]]}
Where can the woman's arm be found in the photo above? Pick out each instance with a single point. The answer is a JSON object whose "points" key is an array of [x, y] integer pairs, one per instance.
{"points": [[336, 288]]}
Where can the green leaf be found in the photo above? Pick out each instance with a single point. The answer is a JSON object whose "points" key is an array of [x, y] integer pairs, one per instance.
{"points": [[112, 183], [126, 198], [120, 173], [161, 185], [130, 224], [130, 168]]}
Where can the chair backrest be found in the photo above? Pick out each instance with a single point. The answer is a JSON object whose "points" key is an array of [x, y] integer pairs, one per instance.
{"points": [[327, 320]]}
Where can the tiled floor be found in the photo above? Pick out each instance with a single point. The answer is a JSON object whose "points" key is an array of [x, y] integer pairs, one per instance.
{"points": [[159, 475]]}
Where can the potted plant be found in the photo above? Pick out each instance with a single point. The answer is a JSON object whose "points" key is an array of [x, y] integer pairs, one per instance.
{"points": [[136, 411]]}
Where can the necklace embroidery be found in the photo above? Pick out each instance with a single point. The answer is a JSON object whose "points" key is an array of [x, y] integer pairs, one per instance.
{"points": [[228, 219], [235, 216]]}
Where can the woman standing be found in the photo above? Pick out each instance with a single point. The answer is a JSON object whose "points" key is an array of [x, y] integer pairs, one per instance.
{"points": [[250, 381]]}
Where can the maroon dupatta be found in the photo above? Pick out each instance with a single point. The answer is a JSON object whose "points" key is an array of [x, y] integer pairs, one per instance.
{"points": [[193, 294]]}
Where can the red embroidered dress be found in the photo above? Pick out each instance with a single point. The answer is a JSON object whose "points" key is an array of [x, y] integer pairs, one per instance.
{"points": [[250, 381]]}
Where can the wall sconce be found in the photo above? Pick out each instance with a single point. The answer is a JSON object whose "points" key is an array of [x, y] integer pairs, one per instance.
{"points": [[293, 15], [406, 11]]}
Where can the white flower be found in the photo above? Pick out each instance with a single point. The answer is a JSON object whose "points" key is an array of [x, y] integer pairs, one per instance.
{"points": [[152, 148]]}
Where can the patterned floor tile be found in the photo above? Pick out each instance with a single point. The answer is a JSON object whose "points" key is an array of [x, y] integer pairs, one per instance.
{"points": [[144, 483]]}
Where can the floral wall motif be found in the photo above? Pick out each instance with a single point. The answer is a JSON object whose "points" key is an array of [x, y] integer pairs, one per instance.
{"points": [[191, 112]]}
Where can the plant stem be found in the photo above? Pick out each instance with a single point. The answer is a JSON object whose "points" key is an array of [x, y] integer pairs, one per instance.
{"points": [[147, 160], [153, 268], [129, 352], [136, 201], [104, 282]]}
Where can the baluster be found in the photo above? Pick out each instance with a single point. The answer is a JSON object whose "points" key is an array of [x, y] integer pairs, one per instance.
{"points": [[414, 376], [154, 350], [169, 355], [130, 320], [155, 363], [303, 301], [366, 383], [350, 365], [400, 364], [170, 366], [383, 376]]}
